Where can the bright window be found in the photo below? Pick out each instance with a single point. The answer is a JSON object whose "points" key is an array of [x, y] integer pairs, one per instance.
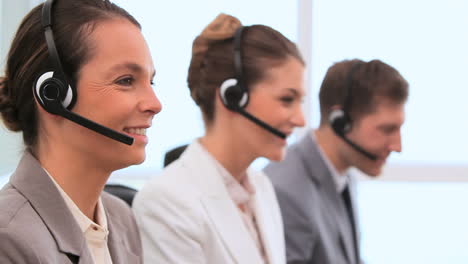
{"points": [[413, 222], [426, 42]]}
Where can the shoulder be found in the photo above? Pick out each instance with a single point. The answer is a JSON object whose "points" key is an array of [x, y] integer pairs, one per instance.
{"points": [[174, 198], [118, 212], [301, 168], [15, 248], [11, 203], [114, 204], [173, 195], [21, 229], [293, 163], [175, 184]]}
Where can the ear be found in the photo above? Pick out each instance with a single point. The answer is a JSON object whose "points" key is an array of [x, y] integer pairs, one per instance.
{"points": [[41, 113], [219, 107]]}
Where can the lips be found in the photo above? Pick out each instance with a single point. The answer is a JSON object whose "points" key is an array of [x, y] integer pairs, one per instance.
{"points": [[136, 131]]}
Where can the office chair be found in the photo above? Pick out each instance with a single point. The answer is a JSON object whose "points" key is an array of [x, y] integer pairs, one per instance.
{"points": [[173, 154], [123, 192]]}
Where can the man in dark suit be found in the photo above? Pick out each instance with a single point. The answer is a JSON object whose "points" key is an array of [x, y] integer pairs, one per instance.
{"points": [[362, 110]]}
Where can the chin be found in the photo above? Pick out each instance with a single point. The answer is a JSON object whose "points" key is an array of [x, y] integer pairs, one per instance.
{"points": [[135, 159], [373, 171], [276, 155], [139, 159]]}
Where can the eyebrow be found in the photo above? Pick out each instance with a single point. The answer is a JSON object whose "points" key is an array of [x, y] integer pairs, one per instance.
{"points": [[295, 92], [390, 126], [130, 66]]}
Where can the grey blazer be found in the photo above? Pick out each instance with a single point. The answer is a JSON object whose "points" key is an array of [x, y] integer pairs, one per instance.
{"points": [[36, 225], [317, 228]]}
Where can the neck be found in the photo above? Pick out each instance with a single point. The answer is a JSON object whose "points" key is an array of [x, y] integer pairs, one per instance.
{"points": [[228, 151], [79, 176], [330, 145]]}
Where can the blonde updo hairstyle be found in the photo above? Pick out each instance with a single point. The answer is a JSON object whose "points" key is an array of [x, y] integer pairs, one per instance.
{"points": [[213, 58]]}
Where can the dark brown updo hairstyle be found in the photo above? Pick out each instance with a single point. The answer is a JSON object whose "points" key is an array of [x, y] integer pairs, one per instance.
{"points": [[73, 22], [213, 58]]}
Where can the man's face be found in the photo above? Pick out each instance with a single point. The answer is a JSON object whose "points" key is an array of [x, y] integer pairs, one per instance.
{"points": [[379, 134]]}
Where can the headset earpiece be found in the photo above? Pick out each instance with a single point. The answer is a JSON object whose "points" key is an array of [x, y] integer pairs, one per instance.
{"points": [[232, 95], [51, 93], [339, 121]]}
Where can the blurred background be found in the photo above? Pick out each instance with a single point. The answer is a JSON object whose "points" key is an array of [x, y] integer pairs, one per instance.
{"points": [[417, 211]]}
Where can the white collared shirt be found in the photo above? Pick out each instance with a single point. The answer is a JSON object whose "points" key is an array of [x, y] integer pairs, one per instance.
{"points": [[95, 233], [341, 180]]}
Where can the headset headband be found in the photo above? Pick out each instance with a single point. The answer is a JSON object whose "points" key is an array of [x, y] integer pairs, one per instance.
{"points": [[348, 99], [238, 58], [54, 58]]}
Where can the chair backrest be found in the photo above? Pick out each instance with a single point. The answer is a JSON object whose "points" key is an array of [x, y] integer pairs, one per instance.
{"points": [[123, 192]]}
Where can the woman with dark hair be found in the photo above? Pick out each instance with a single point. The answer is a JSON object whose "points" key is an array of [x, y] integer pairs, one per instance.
{"points": [[72, 62], [207, 207]]}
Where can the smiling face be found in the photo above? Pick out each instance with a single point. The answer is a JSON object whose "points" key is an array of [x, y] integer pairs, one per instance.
{"points": [[379, 134], [275, 100], [115, 90]]}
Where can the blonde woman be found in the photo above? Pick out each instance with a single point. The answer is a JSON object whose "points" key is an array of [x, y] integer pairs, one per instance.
{"points": [[207, 206]]}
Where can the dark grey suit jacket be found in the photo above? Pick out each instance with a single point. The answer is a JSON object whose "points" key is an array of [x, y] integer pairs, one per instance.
{"points": [[36, 225], [317, 228]]}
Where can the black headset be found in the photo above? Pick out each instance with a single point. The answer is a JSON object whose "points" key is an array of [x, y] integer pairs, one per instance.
{"points": [[52, 87], [53, 91], [235, 94], [340, 119]]}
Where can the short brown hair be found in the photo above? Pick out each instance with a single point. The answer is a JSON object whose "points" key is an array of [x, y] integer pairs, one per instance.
{"points": [[368, 82], [262, 48], [27, 59]]}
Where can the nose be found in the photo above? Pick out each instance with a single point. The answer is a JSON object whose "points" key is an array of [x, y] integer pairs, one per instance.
{"points": [[150, 103], [395, 144], [298, 117]]}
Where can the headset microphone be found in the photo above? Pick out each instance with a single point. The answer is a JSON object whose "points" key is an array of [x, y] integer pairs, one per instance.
{"points": [[235, 95], [53, 92], [340, 119], [261, 123]]}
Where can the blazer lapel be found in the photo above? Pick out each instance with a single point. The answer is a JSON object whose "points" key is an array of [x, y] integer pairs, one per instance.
{"points": [[34, 184], [232, 230], [270, 231], [320, 174], [219, 207], [118, 249]]}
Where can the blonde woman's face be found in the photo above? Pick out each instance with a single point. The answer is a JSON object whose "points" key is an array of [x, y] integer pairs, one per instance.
{"points": [[277, 101]]}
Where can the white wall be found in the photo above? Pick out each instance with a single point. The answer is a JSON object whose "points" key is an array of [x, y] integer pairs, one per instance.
{"points": [[11, 13], [1, 28]]}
